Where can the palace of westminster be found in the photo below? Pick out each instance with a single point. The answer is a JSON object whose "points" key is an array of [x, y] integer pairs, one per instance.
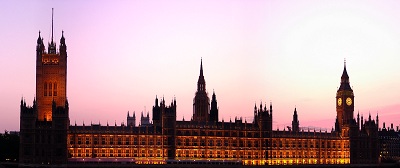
{"points": [[46, 136]]}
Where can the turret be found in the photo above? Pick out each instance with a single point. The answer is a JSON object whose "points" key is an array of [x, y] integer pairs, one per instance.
{"points": [[131, 121], [295, 121], [270, 109], [214, 109], [255, 114], [358, 120], [157, 115], [169, 128], [39, 49], [63, 46]]}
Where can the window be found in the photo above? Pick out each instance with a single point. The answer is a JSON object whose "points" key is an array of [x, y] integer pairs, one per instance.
{"points": [[127, 141], [55, 89], [45, 89], [50, 88], [71, 141], [119, 141], [96, 140]]}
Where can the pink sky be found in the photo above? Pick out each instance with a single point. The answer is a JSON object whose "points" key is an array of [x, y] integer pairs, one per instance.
{"points": [[121, 55]]}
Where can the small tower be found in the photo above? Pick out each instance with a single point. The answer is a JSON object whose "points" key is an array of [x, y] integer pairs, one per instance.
{"points": [[214, 109], [145, 120], [131, 120], [157, 116], [295, 122]]}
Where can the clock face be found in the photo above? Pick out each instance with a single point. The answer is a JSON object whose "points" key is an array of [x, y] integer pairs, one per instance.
{"points": [[349, 101], [339, 101]]}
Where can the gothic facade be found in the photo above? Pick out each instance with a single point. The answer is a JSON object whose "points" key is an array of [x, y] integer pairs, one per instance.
{"points": [[207, 140], [48, 138]]}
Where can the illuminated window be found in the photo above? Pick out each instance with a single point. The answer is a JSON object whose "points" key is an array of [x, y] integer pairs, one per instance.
{"points": [[96, 140], [50, 89], [55, 89], [45, 89], [158, 141], [143, 142], [127, 141], [151, 142], [71, 141]]}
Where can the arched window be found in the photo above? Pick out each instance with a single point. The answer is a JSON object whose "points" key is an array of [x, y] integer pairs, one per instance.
{"points": [[50, 88], [45, 89], [55, 89]]}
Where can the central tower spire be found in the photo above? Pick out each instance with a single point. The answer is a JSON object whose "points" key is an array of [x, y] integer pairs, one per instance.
{"points": [[201, 102], [201, 83], [201, 67]]}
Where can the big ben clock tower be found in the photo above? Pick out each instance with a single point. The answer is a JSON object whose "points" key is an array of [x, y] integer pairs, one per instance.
{"points": [[344, 104]]}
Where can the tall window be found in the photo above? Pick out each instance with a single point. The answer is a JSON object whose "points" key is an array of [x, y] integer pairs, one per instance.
{"points": [[55, 89], [45, 89], [50, 88]]}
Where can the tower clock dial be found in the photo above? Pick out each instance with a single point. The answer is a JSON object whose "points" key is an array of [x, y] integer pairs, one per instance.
{"points": [[349, 101], [339, 101]]}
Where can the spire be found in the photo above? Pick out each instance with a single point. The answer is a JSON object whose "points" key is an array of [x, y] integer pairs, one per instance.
{"points": [[52, 14], [345, 75], [213, 96], [52, 45], [369, 117], [201, 83], [345, 84], [201, 67], [62, 40], [39, 40]]}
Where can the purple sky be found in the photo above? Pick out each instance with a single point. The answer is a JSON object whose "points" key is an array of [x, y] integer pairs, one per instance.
{"points": [[121, 54]]}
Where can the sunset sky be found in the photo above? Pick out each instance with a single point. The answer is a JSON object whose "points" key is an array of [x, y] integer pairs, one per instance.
{"points": [[121, 54]]}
